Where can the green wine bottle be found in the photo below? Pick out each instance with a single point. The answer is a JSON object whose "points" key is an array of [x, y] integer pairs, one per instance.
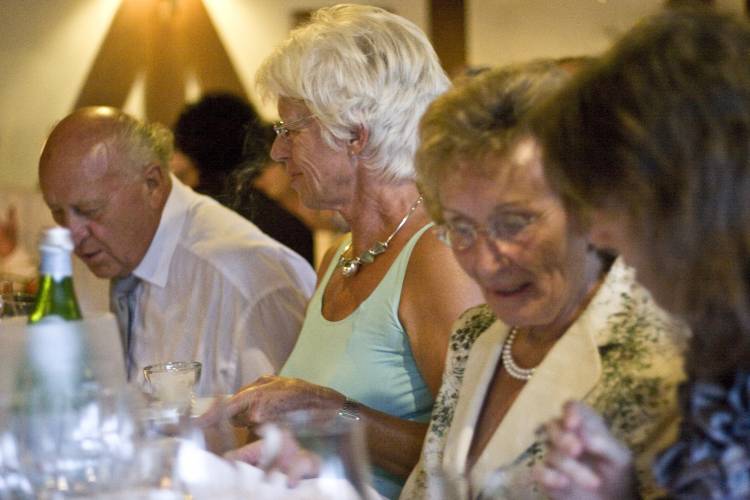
{"points": [[55, 410], [56, 296], [57, 361]]}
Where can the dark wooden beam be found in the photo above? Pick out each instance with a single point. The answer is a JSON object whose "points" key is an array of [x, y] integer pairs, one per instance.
{"points": [[448, 33], [167, 45], [678, 3]]}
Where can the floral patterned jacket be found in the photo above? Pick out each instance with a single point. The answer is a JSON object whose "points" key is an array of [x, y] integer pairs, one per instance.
{"points": [[623, 356]]}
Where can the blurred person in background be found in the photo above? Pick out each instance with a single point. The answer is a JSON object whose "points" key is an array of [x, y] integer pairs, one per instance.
{"points": [[191, 280], [561, 320], [16, 264], [350, 87], [222, 147], [209, 140], [652, 145]]}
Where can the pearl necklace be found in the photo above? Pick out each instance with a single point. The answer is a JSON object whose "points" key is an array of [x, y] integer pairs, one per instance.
{"points": [[511, 367], [349, 267]]}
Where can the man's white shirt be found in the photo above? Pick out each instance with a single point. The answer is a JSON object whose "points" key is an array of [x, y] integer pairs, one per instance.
{"points": [[216, 289]]}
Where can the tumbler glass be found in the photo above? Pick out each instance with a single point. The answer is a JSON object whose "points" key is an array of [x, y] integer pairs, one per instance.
{"points": [[172, 383]]}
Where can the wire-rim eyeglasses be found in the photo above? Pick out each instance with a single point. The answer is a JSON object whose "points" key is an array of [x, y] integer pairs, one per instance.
{"points": [[282, 128]]}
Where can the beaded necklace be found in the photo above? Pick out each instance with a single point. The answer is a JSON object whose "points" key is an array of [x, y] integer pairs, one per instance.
{"points": [[510, 365], [350, 266]]}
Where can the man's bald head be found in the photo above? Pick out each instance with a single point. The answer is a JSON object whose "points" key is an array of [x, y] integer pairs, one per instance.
{"points": [[100, 130], [104, 175]]}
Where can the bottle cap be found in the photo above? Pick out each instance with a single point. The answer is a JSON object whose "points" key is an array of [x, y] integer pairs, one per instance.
{"points": [[55, 247], [59, 237]]}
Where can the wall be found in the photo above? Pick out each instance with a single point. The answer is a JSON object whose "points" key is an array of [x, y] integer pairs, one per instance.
{"points": [[249, 42], [505, 31], [47, 48]]}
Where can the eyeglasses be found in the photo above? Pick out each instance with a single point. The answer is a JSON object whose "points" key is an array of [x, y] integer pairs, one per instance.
{"points": [[282, 129], [462, 235]]}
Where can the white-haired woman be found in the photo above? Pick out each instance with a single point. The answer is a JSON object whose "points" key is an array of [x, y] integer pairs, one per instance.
{"points": [[350, 87]]}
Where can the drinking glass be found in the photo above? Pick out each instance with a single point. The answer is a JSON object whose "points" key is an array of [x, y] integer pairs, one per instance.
{"points": [[172, 383], [170, 457], [16, 304], [13, 482], [78, 449], [329, 448]]}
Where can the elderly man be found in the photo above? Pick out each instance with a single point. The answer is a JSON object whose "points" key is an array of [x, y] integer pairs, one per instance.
{"points": [[191, 280]]}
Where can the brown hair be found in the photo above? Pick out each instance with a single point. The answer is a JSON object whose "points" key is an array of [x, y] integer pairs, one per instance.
{"points": [[660, 127], [479, 118]]}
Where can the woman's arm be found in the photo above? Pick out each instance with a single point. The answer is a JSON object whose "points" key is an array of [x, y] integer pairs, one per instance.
{"points": [[436, 291], [394, 443]]}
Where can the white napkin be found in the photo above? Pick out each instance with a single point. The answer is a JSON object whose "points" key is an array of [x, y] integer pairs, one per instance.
{"points": [[209, 476], [206, 476]]}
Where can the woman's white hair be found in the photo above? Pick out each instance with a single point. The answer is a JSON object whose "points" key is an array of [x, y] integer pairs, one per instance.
{"points": [[360, 66]]}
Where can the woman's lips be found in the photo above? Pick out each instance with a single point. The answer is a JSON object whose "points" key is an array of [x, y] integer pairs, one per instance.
{"points": [[508, 292]]}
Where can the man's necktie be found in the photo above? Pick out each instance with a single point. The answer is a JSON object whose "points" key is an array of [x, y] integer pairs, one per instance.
{"points": [[122, 303]]}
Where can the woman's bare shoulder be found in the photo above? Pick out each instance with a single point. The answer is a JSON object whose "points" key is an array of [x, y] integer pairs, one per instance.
{"points": [[434, 272]]}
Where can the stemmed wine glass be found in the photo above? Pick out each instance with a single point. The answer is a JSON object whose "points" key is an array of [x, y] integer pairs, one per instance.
{"points": [[321, 453]]}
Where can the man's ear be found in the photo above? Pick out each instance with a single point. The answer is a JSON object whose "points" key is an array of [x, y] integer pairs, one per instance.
{"points": [[359, 140], [157, 182]]}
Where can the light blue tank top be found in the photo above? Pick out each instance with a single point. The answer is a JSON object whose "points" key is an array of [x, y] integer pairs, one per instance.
{"points": [[365, 356]]}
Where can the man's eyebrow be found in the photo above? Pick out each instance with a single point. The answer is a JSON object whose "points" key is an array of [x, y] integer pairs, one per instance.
{"points": [[90, 203], [90, 200]]}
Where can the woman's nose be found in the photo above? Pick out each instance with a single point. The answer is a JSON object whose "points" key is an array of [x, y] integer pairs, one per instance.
{"points": [[490, 253]]}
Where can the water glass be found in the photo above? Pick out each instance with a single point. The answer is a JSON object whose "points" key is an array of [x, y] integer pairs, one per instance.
{"points": [[331, 448], [75, 450], [170, 455], [172, 383]]}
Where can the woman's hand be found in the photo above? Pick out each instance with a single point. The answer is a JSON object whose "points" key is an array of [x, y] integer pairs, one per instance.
{"points": [[584, 461], [280, 452], [268, 398]]}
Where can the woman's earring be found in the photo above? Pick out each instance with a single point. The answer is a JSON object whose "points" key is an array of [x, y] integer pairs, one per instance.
{"points": [[353, 157]]}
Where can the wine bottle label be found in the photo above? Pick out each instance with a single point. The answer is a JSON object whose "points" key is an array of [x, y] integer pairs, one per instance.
{"points": [[55, 353]]}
